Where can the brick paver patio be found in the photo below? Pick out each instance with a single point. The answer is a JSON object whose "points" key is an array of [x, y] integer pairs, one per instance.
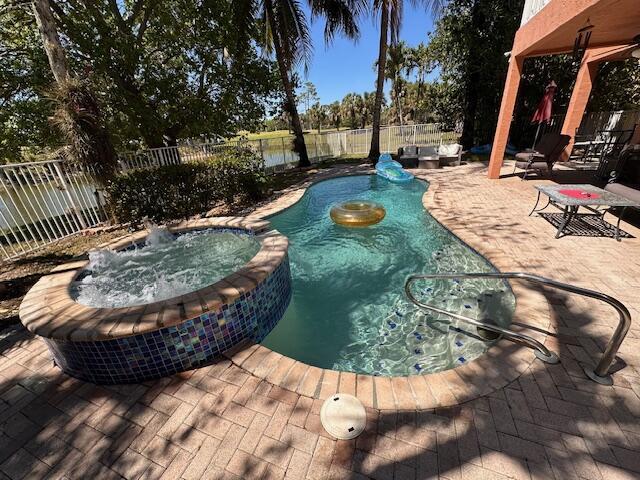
{"points": [[222, 422]]}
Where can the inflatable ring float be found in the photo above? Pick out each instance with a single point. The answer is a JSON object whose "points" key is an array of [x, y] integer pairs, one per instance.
{"points": [[357, 213]]}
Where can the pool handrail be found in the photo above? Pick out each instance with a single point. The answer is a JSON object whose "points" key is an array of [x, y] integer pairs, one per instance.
{"points": [[600, 374]]}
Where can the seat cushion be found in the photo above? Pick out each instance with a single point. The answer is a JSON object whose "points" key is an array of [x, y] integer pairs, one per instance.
{"points": [[450, 150], [427, 152], [411, 150], [624, 191], [526, 156], [533, 166]]}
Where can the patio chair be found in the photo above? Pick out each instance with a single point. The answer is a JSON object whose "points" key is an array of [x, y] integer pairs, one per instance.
{"points": [[625, 181], [408, 156], [544, 156]]}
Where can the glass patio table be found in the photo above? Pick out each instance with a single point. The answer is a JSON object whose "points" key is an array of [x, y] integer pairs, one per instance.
{"points": [[569, 198]]}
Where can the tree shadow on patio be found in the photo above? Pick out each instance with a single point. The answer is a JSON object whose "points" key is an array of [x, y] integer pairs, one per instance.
{"points": [[550, 422]]}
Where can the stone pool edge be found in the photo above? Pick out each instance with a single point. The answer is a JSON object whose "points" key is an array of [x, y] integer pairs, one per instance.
{"points": [[498, 367], [159, 339]]}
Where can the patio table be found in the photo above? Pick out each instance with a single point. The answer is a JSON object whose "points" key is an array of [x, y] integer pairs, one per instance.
{"points": [[569, 198]]}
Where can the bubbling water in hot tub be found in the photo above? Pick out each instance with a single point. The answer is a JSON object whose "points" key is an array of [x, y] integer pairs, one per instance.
{"points": [[165, 267]]}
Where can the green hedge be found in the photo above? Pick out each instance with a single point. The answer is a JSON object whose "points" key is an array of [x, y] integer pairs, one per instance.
{"points": [[180, 191]]}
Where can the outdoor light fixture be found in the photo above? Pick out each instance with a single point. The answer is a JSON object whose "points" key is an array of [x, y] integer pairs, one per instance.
{"points": [[581, 43]]}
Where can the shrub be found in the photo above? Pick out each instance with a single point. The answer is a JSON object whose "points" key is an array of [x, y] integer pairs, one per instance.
{"points": [[180, 191]]}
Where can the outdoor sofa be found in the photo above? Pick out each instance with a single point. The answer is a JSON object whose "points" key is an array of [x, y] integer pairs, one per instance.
{"points": [[421, 156]]}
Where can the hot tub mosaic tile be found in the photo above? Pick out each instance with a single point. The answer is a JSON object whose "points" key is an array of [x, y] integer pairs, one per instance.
{"points": [[191, 344]]}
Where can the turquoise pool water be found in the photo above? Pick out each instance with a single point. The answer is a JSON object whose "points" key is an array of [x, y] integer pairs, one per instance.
{"points": [[349, 311]]}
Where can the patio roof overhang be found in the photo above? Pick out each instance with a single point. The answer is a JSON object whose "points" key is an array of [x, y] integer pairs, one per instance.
{"points": [[553, 29], [616, 24]]}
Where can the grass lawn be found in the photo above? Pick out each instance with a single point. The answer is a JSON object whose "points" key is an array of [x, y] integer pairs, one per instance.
{"points": [[283, 133]]}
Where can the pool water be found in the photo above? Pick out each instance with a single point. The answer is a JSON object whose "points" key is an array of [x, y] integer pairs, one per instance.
{"points": [[349, 311], [166, 267]]}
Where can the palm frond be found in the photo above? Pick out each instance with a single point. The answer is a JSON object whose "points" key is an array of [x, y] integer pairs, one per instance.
{"points": [[436, 6], [396, 8], [293, 32], [341, 16]]}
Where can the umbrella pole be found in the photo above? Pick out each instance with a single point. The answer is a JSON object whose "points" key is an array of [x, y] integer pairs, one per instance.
{"points": [[535, 140]]}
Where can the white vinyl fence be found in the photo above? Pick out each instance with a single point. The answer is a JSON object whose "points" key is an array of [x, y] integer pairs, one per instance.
{"points": [[42, 202], [278, 153]]}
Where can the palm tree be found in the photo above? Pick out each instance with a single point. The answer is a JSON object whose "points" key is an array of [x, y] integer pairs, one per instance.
{"points": [[369, 100], [420, 59], [390, 22], [287, 35], [335, 116], [352, 107], [397, 61]]}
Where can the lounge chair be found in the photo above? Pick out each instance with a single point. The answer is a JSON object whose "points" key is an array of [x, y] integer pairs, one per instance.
{"points": [[544, 156]]}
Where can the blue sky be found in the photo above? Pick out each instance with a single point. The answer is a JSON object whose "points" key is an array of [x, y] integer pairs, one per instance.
{"points": [[345, 66]]}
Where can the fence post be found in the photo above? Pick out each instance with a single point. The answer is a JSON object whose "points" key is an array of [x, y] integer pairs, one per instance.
{"points": [[388, 139], [315, 138], [284, 152], [261, 149], [72, 202], [414, 134]]}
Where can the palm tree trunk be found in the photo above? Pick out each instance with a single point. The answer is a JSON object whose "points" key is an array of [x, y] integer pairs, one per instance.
{"points": [[51, 41], [299, 145], [399, 106], [374, 151]]}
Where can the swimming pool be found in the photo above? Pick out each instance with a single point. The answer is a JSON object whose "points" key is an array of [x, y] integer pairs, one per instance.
{"points": [[349, 312]]}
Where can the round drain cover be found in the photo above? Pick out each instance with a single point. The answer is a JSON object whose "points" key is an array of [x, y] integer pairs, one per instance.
{"points": [[343, 416]]}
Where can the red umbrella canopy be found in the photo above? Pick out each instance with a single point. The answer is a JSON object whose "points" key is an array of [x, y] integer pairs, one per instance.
{"points": [[543, 112]]}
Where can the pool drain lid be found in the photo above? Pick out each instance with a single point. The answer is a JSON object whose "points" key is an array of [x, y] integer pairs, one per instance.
{"points": [[343, 416]]}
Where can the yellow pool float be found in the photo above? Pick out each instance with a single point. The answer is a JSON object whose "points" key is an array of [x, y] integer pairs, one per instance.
{"points": [[357, 213]]}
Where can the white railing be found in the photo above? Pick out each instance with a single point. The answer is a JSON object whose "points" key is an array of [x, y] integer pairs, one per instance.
{"points": [[593, 122], [391, 138], [531, 8], [278, 153], [43, 202]]}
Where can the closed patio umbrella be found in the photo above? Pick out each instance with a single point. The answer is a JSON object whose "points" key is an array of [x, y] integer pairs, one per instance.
{"points": [[543, 112]]}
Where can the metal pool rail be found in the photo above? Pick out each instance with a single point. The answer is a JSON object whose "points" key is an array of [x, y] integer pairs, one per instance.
{"points": [[600, 374]]}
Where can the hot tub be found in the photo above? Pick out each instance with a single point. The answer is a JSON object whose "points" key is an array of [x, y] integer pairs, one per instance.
{"points": [[132, 343]]}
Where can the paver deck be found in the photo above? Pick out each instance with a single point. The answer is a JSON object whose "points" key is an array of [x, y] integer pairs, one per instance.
{"points": [[223, 422]]}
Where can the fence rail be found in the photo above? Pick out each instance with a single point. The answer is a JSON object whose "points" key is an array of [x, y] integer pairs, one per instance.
{"points": [[278, 153], [42, 202]]}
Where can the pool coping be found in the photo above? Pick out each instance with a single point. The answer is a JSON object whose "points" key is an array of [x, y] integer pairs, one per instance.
{"points": [[499, 366], [48, 309]]}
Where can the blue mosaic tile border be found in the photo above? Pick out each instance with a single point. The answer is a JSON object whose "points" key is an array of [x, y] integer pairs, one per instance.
{"points": [[193, 343]]}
